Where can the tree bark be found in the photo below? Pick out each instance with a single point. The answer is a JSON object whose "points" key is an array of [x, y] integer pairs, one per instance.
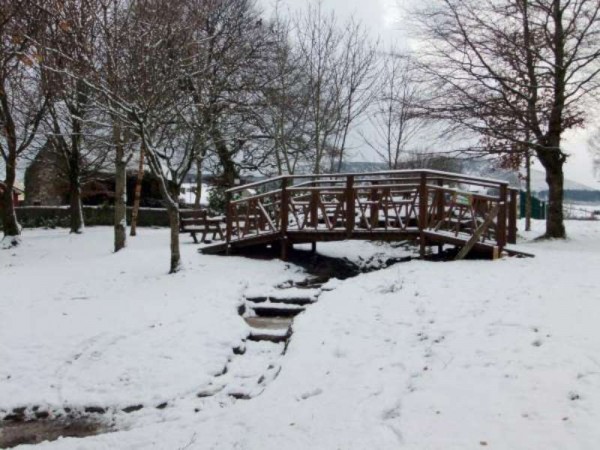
{"points": [[174, 223], [229, 172], [553, 162], [10, 225], [198, 183], [137, 195], [528, 190], [76, 209], [120, 223]]}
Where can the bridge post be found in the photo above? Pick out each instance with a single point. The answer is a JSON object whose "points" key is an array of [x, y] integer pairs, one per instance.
{"points": [[314, 208], [422, 212], [512, 217], [501, 233], [374, 209], [229, 221], [284, 218], [440, 201], [350, 206]]}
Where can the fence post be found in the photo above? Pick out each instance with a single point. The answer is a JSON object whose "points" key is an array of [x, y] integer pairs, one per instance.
{"points": [[350, 207], [422, 211], [501, 234], [284, 218], [512, 217]]}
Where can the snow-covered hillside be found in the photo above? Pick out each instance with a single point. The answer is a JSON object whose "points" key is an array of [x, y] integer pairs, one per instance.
{"points": [[421, 355]]}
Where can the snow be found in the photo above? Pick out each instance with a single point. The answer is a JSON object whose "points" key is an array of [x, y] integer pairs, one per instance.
{"points": [[82, 326], [420, 355], [585, 211], [188, 194]]}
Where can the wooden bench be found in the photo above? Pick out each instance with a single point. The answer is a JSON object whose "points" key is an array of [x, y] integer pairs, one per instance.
{"points": [[195, 221]]}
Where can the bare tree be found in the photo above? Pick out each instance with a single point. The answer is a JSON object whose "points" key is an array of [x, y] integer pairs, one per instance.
{"points": [[67, 50], [594, 148], [355, 84], [508, 68], [23, 98], [282, 114], [149, 55], [222, 70], [338, 61], [397, 116], [319, 41]]}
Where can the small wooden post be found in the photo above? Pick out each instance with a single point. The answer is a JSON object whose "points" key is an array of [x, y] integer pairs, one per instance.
{"points": [[350, 206], [440, 200], [229, 221], [374, 209], [422, 211], [501, 232], [314, 208], [512, 217], [284, 218]]}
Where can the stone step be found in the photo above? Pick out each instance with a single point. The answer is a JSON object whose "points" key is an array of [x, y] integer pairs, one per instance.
{"points": [[294, 296], [268, 309], [267, 336], [271, 329], [269, 323]]}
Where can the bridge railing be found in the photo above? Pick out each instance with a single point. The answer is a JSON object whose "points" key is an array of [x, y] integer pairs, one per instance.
{"points": [[404, 201]]}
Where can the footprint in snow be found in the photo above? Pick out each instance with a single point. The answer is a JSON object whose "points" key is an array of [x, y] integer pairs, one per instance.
{"points": [[313, 393]]}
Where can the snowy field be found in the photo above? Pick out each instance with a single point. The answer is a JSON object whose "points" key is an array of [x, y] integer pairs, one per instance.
{"points": [[421, 355]]}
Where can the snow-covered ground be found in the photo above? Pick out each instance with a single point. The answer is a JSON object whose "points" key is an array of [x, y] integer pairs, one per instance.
{"points": [[82, 326], [583, 211], [421, 355]]}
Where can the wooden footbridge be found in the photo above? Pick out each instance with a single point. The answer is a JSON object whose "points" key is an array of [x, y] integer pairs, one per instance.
{"points": [[431, 207]]}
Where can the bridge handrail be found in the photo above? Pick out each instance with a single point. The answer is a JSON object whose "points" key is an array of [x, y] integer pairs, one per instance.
{"points": [[474, 180], [298, 198]]}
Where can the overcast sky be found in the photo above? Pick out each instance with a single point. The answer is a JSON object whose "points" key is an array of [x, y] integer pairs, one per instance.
{"points": [[383, 19]]}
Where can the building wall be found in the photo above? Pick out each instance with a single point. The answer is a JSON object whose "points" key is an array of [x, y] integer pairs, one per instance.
{"points": [[43, 183]]}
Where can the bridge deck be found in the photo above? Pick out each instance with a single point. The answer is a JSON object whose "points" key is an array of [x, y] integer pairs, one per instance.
{"points": [[433, 207]]}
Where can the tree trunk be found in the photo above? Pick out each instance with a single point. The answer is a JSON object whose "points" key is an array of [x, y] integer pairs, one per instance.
{"points": [[174, 224], [553, 163], [10, 225], [76, 210], [229, 172], [198, 183], [528, 191], [120, 200], [137, 195]]}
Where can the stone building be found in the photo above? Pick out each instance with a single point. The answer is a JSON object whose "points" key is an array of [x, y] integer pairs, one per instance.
{"points": [[46, 184]]}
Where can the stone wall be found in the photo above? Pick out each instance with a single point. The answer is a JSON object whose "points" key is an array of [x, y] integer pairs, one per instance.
{"points": [[51, 217]]}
